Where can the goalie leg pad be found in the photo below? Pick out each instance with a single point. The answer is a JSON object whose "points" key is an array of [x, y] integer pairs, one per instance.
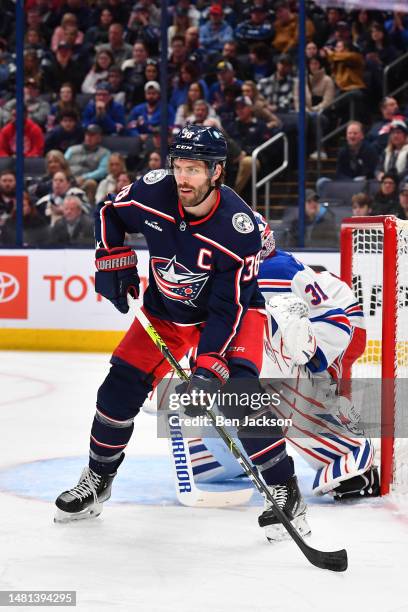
{"points": [[344, 468]]}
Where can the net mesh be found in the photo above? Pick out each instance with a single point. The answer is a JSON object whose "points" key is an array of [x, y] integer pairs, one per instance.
{"points": [[367, 281]]}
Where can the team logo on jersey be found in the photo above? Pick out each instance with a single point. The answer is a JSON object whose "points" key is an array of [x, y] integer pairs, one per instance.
{"points": [[176, 281], [242, 223], [154, 176]]}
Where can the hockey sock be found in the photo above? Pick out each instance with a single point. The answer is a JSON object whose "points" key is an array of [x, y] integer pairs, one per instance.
{"points": [[270, 457], [109, 438]]}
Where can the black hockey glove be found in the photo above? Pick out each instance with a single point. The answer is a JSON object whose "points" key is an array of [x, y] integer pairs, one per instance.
{"points": [[209, 374], [116, 275]]}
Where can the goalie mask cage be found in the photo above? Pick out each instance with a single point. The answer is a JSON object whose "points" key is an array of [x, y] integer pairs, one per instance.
{"points": [[374, 262]]}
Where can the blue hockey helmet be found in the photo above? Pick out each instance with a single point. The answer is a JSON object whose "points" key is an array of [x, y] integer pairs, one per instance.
{"points": [[201, 143]]}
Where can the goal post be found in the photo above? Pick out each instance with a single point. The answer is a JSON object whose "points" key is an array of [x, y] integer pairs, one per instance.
{"points": [[374, 262]]}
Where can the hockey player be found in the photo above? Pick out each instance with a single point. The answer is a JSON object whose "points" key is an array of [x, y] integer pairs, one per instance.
{"points": [[204, 249], [319, 326]]}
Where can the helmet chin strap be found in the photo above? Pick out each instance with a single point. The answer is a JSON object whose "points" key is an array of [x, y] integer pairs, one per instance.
{"points": [[210, 190]]}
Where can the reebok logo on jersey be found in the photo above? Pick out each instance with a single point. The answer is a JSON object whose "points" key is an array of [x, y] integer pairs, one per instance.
{"points": [[154, 225], [175, 281]]}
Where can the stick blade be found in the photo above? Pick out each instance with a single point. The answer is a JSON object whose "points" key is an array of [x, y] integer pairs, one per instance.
{"points": [[335, 561]]}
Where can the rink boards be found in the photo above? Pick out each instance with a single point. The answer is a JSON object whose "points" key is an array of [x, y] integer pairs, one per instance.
{"points": [[48, 300]]}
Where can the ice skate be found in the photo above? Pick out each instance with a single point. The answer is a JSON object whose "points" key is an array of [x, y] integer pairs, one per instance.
{"points": [[363, 485], [290, 500], [86, 499]]}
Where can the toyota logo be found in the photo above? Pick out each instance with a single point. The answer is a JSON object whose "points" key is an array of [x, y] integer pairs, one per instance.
{"points": [[9, 287]]}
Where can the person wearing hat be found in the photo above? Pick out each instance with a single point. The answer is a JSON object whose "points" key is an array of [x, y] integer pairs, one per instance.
{"points": [[225, 78], [153, 11], [104, 111], [395, 157], [279, 89], [89, 161], [139, 27], [63, 69], [194, 14], [144, 117], [37, 108], [216, 31], [66, 133], [255, 29], [320, 225]]}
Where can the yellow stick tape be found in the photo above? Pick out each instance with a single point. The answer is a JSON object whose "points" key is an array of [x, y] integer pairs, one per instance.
{"points": [[84, 340]]}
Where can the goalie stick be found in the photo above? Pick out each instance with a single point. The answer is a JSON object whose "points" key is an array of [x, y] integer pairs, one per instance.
{"points": [[188, 492], [335, 561]]}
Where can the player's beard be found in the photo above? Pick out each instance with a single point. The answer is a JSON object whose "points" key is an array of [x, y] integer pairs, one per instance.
{"points": [[194, 197]]}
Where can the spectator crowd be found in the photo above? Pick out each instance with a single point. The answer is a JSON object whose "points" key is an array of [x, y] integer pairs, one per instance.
{"points": [[92, 99]]}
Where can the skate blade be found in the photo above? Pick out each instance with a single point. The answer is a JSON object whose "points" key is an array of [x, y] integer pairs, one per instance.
{"points": [[277, 533], [70, 517]]}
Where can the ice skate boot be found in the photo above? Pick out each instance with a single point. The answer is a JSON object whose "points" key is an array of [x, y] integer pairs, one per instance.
{"points": [[290, 501], [86, 499], [363, 485]]}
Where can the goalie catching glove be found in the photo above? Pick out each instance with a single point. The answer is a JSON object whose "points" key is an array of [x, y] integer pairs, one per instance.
{"points": [[291, 316], [117, 275]]}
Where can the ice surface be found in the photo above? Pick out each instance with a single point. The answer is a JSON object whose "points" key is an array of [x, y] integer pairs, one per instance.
{"points": [[146, 553]]}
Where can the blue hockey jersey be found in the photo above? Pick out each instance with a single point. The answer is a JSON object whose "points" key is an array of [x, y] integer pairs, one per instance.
{"points": [[201, 270]]}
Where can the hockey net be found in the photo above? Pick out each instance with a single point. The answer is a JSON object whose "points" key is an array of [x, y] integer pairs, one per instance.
{"points": [[374, 262]]}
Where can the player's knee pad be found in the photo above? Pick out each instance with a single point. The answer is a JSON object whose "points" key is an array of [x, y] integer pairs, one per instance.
{"points": [[123, 391], [344, 467]]}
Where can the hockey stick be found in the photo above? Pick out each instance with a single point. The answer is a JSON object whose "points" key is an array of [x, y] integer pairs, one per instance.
{"points": [[335, 561]]}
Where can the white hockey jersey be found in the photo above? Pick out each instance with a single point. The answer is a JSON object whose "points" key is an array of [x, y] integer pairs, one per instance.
{"points": [[332, 304]]}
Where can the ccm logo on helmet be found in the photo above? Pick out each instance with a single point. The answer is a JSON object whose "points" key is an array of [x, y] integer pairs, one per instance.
{"points": [[188, 147]]}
